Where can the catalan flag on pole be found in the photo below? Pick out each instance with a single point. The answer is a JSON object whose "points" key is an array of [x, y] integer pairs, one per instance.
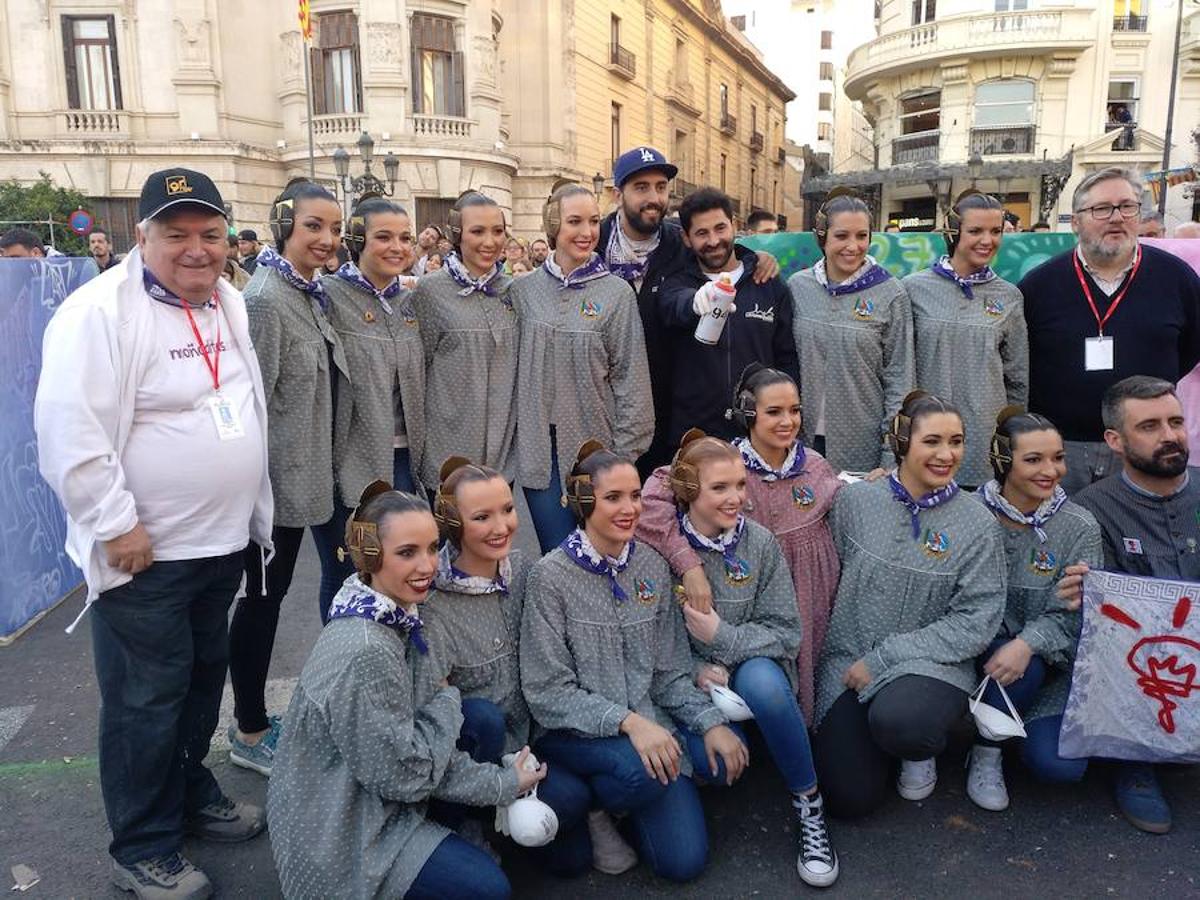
{"points": [[305, 15]]}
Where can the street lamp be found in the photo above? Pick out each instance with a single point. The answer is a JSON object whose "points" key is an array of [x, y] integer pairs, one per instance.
{"points": [[354, 186], [597, 184]]}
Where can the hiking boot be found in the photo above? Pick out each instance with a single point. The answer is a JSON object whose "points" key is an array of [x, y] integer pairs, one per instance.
{"points": [[258, 757], [168, 877], [1140, 798], [985, 778], [917, 779], [226, 822], [817, 862], [610, 854]]}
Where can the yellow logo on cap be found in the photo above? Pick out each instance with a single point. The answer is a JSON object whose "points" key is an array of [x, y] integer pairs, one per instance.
{"points": [[177, 184]]}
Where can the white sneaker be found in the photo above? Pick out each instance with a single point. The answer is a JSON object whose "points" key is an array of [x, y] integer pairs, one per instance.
{"points": [[610, 854], [818, 861], [917, 779], [985, 778]]}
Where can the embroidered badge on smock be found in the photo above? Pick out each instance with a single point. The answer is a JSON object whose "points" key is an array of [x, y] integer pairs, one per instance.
{"points": [[802, 495], [368, 316], [589, 309], [993, 307], [737, 573], [1042, 562], [1132, 545], [937, 543], [644, 592], [863, 308]]}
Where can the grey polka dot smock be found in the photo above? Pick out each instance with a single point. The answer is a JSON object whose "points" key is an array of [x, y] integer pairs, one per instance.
{"points": [[856, 364], [972, 353], [368, 739], [470, 374], [924, 606], [583, 370], [588, 660], [1032, 612]]}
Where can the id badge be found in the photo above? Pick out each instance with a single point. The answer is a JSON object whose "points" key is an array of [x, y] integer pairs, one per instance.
{"points": [[225, 417], [1098, 354]]}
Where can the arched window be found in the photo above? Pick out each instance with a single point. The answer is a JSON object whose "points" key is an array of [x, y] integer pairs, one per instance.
{"points": [[1003, 117]]}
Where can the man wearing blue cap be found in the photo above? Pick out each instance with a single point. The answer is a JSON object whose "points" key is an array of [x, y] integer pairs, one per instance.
{"points": [[641, 246], [152, 430]]}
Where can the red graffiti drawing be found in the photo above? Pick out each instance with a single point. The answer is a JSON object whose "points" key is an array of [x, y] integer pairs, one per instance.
{"points": [[1157, 661]]}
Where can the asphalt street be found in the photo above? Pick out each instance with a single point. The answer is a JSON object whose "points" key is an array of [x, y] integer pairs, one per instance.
{"points": [[1052, 841]]}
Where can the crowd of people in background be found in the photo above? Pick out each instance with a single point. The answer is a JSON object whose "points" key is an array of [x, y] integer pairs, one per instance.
{"points": [[807, 507]]}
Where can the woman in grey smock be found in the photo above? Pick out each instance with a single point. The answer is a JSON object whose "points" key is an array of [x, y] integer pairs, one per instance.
{"points": [[1034, 651], [370, 737], [921, 595], [969, 328], [469, 331], [583, 370], [381, 410], [853, 328]]}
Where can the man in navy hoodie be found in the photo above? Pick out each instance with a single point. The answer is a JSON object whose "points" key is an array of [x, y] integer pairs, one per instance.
{"points": [[758, 330]]}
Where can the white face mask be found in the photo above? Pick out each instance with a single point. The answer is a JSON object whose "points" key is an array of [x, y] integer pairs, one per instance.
{"points": [[991, 723], [735, 708], [531, 823]]}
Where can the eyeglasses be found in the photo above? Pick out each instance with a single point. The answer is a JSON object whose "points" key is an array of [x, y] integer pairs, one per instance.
{"points": [[1104, 211]]}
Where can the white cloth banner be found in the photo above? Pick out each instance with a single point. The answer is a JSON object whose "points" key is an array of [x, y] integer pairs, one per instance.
{"points": [[1135, 690]]}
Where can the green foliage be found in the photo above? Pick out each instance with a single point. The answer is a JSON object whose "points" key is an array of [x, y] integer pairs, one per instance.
{"points": [[41, 201]]}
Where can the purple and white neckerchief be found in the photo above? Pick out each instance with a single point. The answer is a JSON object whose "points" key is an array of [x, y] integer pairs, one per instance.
{"points": [[163, 294], [470, 284], [272, 260], [869, 274], [998, 503], [452, 579], [625, 257], [983, 276], [591, 270], [356, 600], [793, 463], [351, 274], [929, 501], [581, 552], [725, 543]]}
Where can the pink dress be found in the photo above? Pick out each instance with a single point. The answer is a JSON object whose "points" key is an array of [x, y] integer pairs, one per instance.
{"points": [[795, 510]]}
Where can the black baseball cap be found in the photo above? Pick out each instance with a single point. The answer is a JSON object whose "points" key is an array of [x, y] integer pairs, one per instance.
{"points": [[171, 188], [247, 234]]}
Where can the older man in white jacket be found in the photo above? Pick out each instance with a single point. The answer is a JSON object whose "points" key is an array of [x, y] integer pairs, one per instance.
{"points": [[152, 430]]}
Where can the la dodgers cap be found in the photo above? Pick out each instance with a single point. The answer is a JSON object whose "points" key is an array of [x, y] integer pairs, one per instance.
{"points": [[176, 187], [640, 159]]}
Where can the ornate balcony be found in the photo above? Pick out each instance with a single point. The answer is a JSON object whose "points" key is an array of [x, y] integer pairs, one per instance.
{"points": [[94, 122], [728, 123], [1035, 33], [1129, 23], [915, 148], [1002, 140], [338, 125], [441, 127], [757, 142], [1125, 134], [622, 61], [681, 95]]}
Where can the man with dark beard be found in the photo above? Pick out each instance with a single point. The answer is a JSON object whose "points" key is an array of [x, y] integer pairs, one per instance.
{"points": [[759, 329], [639, 245], [1102, 312], [1149, 522]]}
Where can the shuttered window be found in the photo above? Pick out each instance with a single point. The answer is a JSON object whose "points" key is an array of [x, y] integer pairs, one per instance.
{"points": [[439, 84], [90, 62], [336, 70]]}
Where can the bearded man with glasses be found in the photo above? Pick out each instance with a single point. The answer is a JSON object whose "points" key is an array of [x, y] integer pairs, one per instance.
{"points": [[1106, 310]]}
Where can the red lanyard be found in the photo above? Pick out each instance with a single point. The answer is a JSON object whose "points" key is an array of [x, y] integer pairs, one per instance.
{"points": [[1116, 301], [213, 364]]}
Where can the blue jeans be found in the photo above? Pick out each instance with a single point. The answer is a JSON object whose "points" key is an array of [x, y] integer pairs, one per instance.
{"points": [[667, 822], [551, 520], [457, 871], [762, 683], [332, 534], [160, 645], [482, 737]]}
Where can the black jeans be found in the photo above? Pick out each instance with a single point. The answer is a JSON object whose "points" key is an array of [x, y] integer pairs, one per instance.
{"points": [[160, 645], [252, 631], [856, 743]]}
